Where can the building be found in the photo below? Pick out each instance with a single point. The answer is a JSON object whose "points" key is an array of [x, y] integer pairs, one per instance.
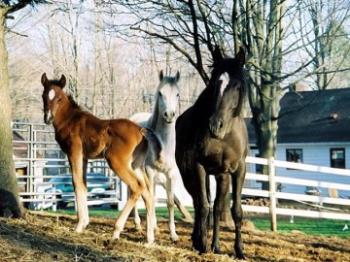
{"points": [[314, 128]]}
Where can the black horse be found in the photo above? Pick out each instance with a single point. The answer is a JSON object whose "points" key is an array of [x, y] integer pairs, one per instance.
{"points": [[211, 138]]}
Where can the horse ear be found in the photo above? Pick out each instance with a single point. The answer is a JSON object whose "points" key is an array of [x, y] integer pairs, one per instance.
{"points": [[217, 55], [44, 79], [177, 76], [62, 81], [161, 76], [241, 56]]}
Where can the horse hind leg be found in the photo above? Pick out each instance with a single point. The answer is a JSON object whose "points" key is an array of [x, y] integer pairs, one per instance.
{"points": [[187, 217], [236, 210], [170, 183], [136, 216], [222, 188], [136, 187]]}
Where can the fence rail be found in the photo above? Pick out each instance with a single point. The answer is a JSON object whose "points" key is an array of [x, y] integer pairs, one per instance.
{"points": [[274, 179]]}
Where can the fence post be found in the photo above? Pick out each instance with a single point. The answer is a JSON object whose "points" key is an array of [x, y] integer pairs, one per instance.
{"points": [[272, 194]]}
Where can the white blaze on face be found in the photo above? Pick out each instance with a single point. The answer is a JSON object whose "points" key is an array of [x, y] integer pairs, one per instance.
{"points": [[52, 94], [225, 79]]}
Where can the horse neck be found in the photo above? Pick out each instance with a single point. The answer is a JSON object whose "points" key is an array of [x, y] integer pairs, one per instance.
{"points": [[165, 131], [205, 104], [63, 114]]}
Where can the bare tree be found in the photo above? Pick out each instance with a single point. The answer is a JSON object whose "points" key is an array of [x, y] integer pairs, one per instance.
{"points": [[194, 27], [325, 39], [9, 200]]}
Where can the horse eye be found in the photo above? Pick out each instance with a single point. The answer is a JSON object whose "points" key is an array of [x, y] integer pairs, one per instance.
{"points": [[159, 93], [178, 95]]}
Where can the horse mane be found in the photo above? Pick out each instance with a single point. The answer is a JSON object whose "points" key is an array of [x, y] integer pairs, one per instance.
{"points": [[73, 103], [155, 112], [56, 82]]}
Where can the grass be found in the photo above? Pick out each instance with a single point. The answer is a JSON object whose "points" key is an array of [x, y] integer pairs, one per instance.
{"points": [[325, 227], [161, 212]]}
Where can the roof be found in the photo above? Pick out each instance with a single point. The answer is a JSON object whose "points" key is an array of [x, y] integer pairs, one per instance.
{"points": [[313, 117]]}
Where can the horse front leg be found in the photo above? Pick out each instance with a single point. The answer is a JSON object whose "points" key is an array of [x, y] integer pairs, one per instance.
{"points": [[236, 209], [151, 173], [78, 166], [170, 184], [222, 188]]}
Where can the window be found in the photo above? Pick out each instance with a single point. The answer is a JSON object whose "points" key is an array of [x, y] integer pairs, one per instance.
{"points": [[337, 157], [294, 155]]}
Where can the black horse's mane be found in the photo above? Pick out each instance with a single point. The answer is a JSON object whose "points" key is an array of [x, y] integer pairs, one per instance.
{"points": [[206, 97]]}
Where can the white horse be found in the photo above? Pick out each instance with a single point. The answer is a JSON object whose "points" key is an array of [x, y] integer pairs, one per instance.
{"points": [[162, 123]]}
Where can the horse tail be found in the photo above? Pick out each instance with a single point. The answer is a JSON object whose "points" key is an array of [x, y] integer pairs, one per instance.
{"points": [[156, 147]]}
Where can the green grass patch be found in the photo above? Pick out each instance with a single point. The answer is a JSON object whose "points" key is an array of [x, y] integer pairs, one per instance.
{"points": [[325, 227], [162, 212]]}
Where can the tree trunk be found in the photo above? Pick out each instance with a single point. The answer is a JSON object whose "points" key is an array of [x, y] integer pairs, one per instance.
{"points": [[9, 200], [266, 126]]}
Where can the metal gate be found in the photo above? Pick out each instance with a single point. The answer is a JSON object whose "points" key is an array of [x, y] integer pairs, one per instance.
{"points": [[42, 171]]}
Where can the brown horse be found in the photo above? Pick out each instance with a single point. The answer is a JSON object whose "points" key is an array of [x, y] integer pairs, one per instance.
{"points": [[211, 138], [121, 142]]}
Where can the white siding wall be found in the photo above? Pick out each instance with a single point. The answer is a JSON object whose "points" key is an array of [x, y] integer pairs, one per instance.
{"points": [[314, 154]]}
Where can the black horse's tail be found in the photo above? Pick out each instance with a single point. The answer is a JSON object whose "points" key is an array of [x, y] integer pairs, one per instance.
{"points": [[156, 147]]}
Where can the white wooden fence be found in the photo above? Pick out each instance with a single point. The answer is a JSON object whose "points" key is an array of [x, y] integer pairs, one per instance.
{"points": [[342, 205]]}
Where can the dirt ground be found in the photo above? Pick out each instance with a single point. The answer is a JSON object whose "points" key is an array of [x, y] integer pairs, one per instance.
{"points": [[44, 237]]}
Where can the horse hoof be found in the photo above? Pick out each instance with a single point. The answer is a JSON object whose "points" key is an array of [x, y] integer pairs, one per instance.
{"points": [[116, 235], [216, 250], [240, 256], [152, 244], [200, 248], [79, 229], [174, 238]]}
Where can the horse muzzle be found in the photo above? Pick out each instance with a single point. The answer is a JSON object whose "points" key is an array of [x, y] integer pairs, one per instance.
{"points": [[48, 118], [169, 117], [216, 129]]}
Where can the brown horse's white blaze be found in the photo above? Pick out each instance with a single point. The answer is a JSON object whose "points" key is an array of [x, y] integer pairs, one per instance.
{"points": [[82, 136]]}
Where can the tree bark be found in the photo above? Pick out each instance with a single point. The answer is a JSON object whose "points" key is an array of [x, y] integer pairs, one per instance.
{"points": [[10, 204]]}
